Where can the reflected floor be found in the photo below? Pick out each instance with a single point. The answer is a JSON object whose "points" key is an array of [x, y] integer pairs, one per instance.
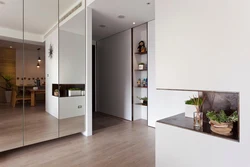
{"points": [[101, 121], [38, 125]]}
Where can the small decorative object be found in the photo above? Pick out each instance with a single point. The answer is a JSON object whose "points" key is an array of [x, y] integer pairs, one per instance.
{"points": [[221, 123], [35, 88], [141, 48], [144, 99], [144, 82], [74, 92], [56, 92], [197, 102], [139, 83], [82, 92], [51, 51], [141, 66]]}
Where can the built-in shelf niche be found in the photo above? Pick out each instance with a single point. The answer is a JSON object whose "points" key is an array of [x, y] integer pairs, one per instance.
{"points": [[63, 88], [213, 101]]}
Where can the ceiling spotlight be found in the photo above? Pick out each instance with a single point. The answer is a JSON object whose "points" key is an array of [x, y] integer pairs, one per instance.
{"points": [[11, 47], [133, 22], [2, 3], [102, 26], [121, 16], [148, 3]]}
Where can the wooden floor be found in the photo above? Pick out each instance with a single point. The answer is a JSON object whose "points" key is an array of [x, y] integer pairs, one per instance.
{"points": [[123, 144], [20, 127]]}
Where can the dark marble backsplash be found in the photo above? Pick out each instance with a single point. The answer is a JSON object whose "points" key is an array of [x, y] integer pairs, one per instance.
{"points": [[216, 101]]}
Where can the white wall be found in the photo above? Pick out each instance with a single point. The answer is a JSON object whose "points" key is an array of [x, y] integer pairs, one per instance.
{"points": [[204, 45], [72, 58], [29, 69], [51, 73], [161, 104], [114, 61]]}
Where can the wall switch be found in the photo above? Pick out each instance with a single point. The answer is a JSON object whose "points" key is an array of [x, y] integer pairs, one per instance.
{"points": [[80, 106]]}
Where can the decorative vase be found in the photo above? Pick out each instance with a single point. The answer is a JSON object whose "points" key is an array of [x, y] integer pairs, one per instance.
{"points": [[198, 119], [8, 96], [221, 128]]}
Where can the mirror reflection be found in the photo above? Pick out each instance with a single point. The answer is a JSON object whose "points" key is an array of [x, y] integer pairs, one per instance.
{"points": [[11, 49], [40, 17], [72, 70]]}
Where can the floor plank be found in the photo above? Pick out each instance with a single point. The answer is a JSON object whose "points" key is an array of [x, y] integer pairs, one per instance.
{"points": [[123, 144]]}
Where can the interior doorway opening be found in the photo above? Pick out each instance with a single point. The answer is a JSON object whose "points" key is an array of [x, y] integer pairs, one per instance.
{"points": [[117, 31]]}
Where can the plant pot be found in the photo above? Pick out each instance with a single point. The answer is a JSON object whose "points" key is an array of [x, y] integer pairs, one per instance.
{"points": [[74, 92], [221, 128], [8, 96], [141, 66], [189, 111]]}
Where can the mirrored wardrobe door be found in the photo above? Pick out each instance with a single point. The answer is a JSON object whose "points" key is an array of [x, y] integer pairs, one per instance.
{"points": [[11, 54], [72, 67], [40, 70]]}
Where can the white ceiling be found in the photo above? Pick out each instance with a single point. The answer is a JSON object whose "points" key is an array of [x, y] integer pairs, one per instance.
{"points": [[105, 12], [39, 15]]}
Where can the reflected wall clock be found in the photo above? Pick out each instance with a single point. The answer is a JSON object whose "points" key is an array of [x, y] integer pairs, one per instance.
{"points": [[51, 51]]}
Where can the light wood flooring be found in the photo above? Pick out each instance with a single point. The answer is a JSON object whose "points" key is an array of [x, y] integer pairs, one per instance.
{"points": [[122, 144], [20, 127]]}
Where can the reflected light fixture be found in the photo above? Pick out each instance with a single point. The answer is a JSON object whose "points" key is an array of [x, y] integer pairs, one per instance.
{"points": [[10, 47], [39, 58], [133, 22], [38, 65]]}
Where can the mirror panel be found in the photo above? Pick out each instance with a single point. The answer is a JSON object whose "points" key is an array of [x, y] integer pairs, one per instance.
{"points": [[40, 70], [72, 67], [11, 54]]}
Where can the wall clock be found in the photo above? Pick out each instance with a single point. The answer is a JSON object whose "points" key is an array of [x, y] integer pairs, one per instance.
{"points": [[51, 51]]}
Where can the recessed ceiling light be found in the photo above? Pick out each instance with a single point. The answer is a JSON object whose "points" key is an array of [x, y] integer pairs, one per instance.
{"points": [[102, 26], [133, 22], [121, 16], [148, 3], [10, 47], [2, 3]]}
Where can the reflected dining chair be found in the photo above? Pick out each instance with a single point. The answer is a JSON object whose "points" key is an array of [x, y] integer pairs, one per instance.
{"points": [[17, 96]]}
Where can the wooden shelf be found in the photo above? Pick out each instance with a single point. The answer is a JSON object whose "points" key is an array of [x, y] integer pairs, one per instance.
{"points": [[141, 70], [141, 104], [138, 53], [141, 87]]}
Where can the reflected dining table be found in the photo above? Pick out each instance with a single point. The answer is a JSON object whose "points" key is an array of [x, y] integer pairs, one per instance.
{"points": [[33, 95]]}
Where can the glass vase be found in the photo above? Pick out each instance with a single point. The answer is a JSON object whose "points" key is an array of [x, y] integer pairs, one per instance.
{"points": [[198, 119]]}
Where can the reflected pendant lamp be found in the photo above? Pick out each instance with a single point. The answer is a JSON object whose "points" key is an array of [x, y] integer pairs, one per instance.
{"points": [[39, 58]]}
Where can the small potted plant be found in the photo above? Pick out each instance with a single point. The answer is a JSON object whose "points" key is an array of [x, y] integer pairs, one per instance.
{"points": [[56, 92], [144, 100], [8, 87], [141, 66], [193, 104], [75, 92], [221, 123]]}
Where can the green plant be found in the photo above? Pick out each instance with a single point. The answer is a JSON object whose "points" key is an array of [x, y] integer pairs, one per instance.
{"points": [[143, 98], [221, 116], [8, 84], [75, 89], [196, 101]]}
